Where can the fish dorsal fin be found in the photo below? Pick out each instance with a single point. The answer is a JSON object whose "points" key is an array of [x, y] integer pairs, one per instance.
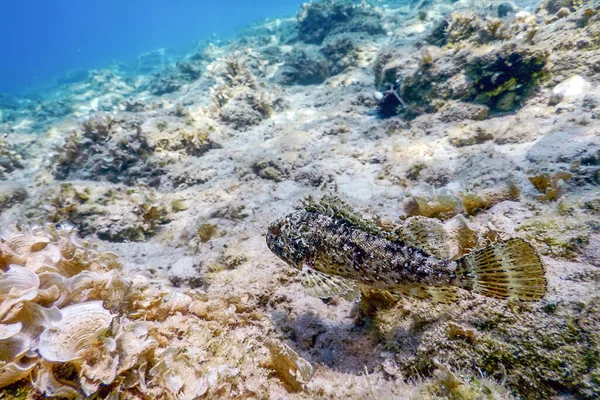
{"points": [[319, 284], [435, 294], [426, 234]]}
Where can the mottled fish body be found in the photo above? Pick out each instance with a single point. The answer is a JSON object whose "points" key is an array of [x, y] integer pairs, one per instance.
{"points": [[338, 252]]}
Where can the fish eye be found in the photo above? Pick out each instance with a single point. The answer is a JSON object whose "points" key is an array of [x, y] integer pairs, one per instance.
{"points": [[274, 230]]}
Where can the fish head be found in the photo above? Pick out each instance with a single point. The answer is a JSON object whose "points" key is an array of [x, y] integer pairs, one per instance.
{"points": [[292, 238]]}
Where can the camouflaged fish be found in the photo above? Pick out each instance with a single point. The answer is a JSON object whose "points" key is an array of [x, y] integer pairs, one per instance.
{"points": [[339, 252]]}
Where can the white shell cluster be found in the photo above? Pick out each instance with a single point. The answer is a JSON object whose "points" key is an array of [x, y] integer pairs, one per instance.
{"points": [[73, 325], [51, 287]]}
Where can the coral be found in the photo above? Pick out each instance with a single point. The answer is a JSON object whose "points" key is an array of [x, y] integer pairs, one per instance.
{"points": [[460, 27], [537, 353], [206, 231], [470, 60], [321, 18], [269, 170], [191, 142], [508, 73], [455, 386], [498, 78], [554, 6]]}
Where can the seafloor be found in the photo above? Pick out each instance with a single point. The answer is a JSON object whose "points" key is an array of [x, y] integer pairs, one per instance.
{"points": [[483, 115]]}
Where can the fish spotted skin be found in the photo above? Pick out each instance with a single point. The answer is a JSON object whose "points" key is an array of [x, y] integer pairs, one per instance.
{"points": [[338, 252], [335, 246]]}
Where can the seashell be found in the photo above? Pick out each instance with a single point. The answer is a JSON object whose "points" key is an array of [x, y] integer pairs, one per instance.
{"points": [[165, 373], [21, 243], [49, 279], [19, 282], [103, 367], [40, 261], [10, 330], [46, 383], [39, 243], [35, 318], [14, 347], [15, 371], [291, 368], [74, 265], [76, 333]]}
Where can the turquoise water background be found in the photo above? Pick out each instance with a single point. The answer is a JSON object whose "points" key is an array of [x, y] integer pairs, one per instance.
{"points": [[43, 39]]}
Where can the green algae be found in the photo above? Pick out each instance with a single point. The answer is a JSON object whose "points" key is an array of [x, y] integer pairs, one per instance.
{"points": [[538, 355]]}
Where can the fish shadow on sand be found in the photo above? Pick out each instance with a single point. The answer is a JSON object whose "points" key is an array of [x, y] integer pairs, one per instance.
{"points": [[346, 347]]}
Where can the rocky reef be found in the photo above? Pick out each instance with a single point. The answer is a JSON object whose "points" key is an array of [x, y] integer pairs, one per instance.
{"points": [[134, 204]]}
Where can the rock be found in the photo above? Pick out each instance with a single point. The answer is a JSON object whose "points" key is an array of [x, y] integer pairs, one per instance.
{"points": [[591, 252], [10, 194], [461, 138], [319, 19], [504, 9], [293, 370], [570, 89], [575, 151], [303, 67], [459, 111], [240, 115], [563, 13]]}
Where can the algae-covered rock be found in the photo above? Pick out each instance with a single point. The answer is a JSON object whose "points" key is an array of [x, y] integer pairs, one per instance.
{"points": [[10, 159], [505, 76], [303, 67], [11, 194], [107, 148], [115, 214], [321, 18], [538, 351]]}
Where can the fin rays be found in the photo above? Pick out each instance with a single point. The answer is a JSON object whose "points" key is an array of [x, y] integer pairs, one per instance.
{"points": [[324, 286], [506, 269]]}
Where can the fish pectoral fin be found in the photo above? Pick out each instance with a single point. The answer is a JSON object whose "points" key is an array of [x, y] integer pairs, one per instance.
{"points": [[426, 234], [436, 294], [319, 284]]}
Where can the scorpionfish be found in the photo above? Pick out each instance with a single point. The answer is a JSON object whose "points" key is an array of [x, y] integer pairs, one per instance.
{"points": [[339, 253]]}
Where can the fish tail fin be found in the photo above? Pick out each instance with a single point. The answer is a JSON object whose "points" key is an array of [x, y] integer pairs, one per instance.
{"points": [[512, 268]]}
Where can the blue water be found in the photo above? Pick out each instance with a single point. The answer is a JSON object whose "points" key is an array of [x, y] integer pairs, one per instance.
{"points": [[42, 39]]}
